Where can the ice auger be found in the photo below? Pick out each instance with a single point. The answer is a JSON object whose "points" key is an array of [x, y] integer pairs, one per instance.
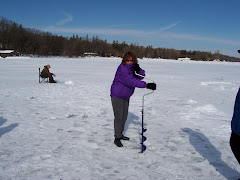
{"points": [[143, 147]]}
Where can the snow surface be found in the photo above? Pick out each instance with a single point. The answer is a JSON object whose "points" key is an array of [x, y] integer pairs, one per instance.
{"points": [[65, 130]]}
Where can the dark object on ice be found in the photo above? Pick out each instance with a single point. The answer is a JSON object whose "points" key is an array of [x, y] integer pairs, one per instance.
{"points": [[235, 126], [45, 74], [125, 138], [118, 142], [234, 144], [239, 51]]}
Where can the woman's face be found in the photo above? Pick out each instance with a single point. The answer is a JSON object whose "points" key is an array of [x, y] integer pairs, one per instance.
{"points": [[129, 61]]}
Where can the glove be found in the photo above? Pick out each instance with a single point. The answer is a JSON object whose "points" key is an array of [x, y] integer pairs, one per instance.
{"points": [[151, 86], [137, 68]]}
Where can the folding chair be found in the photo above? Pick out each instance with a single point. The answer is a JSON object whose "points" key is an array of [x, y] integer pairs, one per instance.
{"points": [[42, 78]]}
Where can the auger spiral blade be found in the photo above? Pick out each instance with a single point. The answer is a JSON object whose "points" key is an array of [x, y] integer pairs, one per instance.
{"points": [[143, 139], [143, 148]]}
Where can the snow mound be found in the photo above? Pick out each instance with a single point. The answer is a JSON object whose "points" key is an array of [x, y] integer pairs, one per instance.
{"points": [[215, 83], [69, 83]]}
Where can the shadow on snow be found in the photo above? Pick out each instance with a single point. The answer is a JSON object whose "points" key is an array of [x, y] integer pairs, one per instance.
{"points": [[4, 130], [207, 150], [132, 119]]}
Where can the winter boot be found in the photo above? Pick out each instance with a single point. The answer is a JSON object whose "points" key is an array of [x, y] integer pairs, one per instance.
{"points": [[118, 142], [125, 138]]}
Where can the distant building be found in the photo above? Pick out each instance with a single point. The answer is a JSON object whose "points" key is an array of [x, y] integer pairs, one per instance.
{"points": [[184, 59], [6, 53], [90, 54]]}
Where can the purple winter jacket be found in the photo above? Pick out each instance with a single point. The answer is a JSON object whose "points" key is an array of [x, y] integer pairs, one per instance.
{"points": [[125, 81]]}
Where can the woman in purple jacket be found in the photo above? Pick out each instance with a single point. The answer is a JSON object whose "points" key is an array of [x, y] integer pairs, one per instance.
{"points": [[122, 89]]}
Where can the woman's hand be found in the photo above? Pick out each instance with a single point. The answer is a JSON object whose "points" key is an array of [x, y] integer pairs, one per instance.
{"points": [[151, 86]]}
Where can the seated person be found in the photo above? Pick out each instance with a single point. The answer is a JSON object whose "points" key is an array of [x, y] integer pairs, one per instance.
{"points": [[45, 74]]}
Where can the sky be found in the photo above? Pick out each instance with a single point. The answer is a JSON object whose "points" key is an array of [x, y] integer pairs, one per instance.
{"points": [[203, 25]]}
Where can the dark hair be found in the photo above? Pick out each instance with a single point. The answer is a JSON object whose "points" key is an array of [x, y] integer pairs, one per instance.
{"points": [[129, 54]]}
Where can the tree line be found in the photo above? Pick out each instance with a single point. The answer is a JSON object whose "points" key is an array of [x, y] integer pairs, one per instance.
{"points": [[28, 41]]}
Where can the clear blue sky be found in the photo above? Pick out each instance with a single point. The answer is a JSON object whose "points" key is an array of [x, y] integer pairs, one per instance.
{"points": [[208, 25]]}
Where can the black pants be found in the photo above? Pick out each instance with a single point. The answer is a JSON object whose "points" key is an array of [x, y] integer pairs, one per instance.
{"points": [[235, 145]]}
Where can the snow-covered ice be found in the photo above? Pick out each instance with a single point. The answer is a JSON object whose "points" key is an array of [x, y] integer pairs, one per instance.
{"points": [[65, 130]]}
